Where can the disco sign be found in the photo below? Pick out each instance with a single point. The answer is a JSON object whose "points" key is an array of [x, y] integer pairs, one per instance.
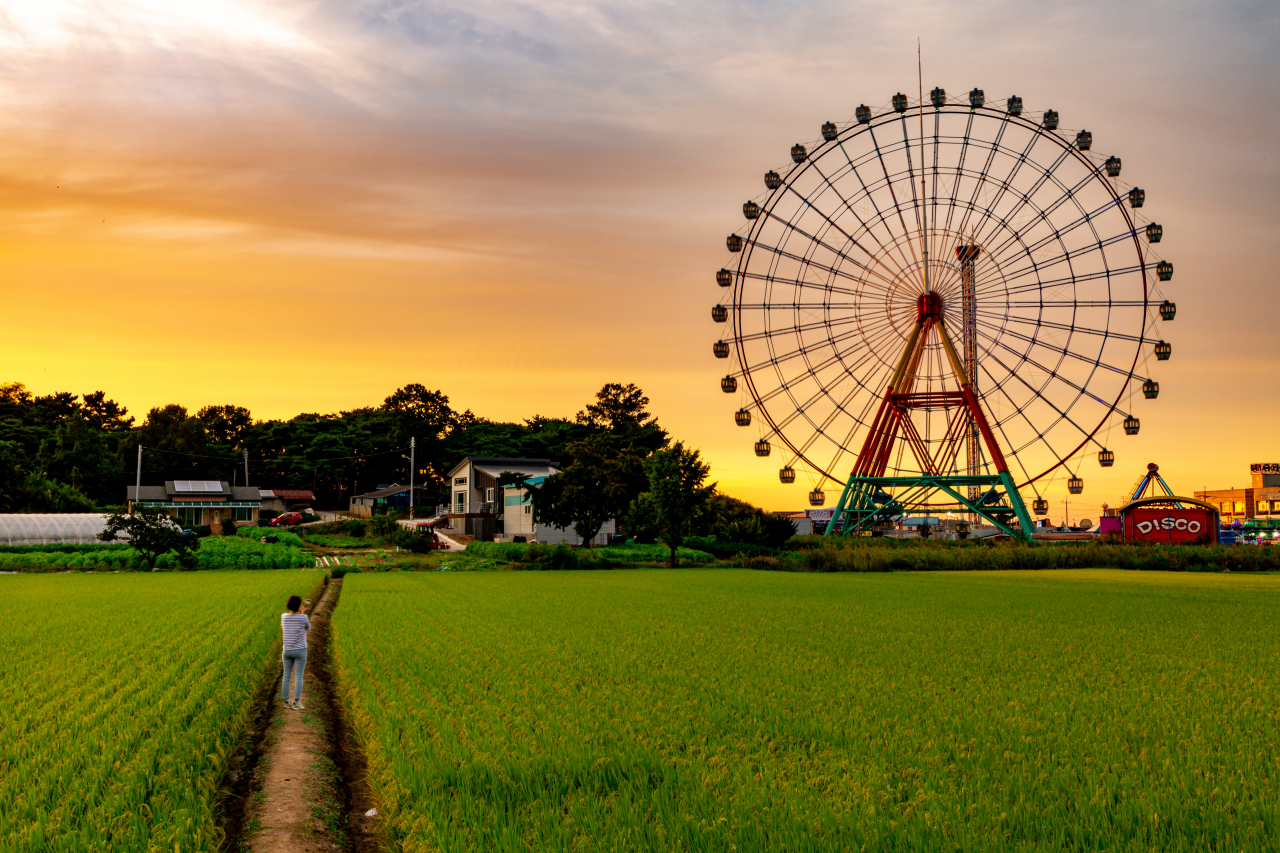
{"points": [[1170, 525]]}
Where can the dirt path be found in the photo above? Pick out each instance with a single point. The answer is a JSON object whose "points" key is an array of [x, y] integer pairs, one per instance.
{"points": [[302, 800]]}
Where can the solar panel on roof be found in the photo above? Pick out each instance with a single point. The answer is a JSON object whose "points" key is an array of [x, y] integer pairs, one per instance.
{"points": [[197, 486]]}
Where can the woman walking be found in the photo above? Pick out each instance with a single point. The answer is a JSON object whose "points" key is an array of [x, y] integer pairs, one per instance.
{"points": [[294, 625]]}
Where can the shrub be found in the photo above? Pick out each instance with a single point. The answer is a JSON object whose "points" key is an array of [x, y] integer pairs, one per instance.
{"points": [[265, 516], [228, 527], [519, 540], [384, 525], [409, 539], [284, 537]]}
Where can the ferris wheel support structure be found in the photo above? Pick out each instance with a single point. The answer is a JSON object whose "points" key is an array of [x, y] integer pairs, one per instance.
{"points": [[864, 502]]}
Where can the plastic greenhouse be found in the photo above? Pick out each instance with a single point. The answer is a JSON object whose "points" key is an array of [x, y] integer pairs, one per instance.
{"points": [[25, 529]]}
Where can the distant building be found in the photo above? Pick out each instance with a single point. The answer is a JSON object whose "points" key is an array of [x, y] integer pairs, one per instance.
{"points": [[392, 496], [195, 502], [1259, 501], [479, 506], [285, 500]]}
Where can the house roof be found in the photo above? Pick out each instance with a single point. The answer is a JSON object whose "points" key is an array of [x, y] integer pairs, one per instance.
{"points": [[198, 488], [290, 494], [520, 466], [149, 493], [495, 465], [168, 492], [393, 490]]}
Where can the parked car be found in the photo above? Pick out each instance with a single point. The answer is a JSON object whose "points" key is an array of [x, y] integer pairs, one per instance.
{"points": [[286, 519]]}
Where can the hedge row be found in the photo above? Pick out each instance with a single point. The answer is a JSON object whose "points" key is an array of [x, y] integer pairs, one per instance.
{"points": [[888, 555]]}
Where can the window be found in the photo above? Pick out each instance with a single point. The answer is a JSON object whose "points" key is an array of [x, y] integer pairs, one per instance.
{"points": [[1239, 506], [460, 500], [528, 510], [1262, 507], [488, 495], [244, 513], [459, 481], [189, 516]]}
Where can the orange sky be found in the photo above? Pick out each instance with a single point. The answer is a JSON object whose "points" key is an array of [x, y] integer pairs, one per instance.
{"points": [[302, 206]]}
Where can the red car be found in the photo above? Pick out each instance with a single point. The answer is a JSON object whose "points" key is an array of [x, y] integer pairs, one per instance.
{"points": [[286, 519]]}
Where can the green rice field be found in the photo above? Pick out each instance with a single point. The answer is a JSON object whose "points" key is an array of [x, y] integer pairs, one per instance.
{"points": [[726, 710], [122, 697]]}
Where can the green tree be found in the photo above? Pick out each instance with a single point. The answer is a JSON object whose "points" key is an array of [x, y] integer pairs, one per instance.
{"points": [[84, 456], [152, 533], [677, 497], [225, 425], [106, 415], [620, 411], [600, 484]]}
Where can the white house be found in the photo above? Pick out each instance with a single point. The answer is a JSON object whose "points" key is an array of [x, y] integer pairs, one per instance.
{"points": [[475, 496]]}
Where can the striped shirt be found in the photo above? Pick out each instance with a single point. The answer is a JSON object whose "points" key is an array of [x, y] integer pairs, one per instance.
{"points": [[295, 627]]}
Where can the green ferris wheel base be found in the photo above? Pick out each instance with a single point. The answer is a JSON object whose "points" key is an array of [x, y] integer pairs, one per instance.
{"points": [[864, 503]]}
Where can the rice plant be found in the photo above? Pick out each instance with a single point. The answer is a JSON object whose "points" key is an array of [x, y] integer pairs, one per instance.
{"points": [[737, 710], [121, 700]]}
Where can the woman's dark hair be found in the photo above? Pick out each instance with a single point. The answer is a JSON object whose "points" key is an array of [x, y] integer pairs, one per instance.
{"points": [[295, 601]]}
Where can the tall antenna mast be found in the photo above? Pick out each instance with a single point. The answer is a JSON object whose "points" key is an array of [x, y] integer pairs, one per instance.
{"points": [[924, 209]]}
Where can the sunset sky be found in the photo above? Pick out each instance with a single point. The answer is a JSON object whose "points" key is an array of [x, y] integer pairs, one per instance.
{"points": [[300, 206]]}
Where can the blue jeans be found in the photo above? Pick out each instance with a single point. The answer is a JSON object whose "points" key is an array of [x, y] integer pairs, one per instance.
{"points": [[294, 660]]}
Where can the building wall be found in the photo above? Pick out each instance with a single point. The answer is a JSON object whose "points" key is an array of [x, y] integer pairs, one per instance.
{"points": [[517, 515], [549, 535]]}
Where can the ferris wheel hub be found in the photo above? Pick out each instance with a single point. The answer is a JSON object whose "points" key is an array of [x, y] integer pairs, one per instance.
{"points": [[929, 305]]}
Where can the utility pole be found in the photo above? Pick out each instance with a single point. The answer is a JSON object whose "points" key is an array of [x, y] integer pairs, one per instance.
{"points": [[245, 451], [137, 489], [413, 469]]}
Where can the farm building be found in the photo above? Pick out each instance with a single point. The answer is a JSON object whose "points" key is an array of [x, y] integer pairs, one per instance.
{"points": [[62, 528], [392, 496], [284, 500], [195, 502]]}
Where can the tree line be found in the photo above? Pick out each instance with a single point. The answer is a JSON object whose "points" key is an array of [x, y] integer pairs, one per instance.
{"points": [[65, 452]]}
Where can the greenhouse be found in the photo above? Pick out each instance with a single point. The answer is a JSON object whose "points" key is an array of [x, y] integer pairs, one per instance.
{"points": [[27, 529]]}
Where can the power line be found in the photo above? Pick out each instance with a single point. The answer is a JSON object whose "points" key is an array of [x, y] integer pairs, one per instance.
{"points": [[272, 459]]}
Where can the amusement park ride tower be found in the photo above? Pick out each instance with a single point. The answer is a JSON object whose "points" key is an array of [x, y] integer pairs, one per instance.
{"points": [[940, 305]]}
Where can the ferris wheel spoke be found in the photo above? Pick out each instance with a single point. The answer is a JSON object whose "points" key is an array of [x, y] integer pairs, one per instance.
{"points": [[848, 206], [1056, 232], [817, 241], [877, 328], [800, 284], [982, 181], [1006, 185], [791, 256], [896, 205], [1063, 351], [1062, 415], [960, 167], [802, 351], [917, 203], [1072, 279], [881, 216], [1067, 194]]}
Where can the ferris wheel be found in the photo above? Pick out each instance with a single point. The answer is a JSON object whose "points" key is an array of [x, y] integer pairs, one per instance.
{"points": [[942, 304]]}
